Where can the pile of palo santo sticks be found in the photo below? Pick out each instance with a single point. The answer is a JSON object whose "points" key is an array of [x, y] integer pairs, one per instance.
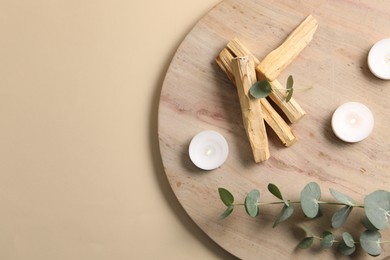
{"points": [[243, 69]]}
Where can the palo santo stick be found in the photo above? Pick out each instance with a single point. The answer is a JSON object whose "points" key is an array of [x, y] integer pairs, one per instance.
{"points": [[271, 117], [292, 109], [224, 61], [277, 60], [276, 122], [252, 115], [239, 50]]}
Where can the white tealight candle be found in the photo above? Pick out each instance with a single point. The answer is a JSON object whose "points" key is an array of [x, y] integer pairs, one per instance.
{"points": [[208, 150], [352, 122], [379, 59]]}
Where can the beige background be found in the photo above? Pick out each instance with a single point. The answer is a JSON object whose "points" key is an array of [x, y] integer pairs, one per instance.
{"points": [[80, 171]]}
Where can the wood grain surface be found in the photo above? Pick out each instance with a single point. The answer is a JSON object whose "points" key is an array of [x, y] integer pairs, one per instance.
{"points": [[196, 95]]}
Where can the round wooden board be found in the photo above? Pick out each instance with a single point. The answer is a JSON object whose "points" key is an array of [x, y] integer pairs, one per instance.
{"points": [[196, 95]]}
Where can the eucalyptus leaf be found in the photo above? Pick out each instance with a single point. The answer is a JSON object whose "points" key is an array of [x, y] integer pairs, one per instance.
{"points": [[377, 208], [367, 224], [260, 89], [276, 192], [346, 250], [348, 239], [227, 212], [226, 197], [310, 196], [284, 214], [251, 203], [289, 94], [341, 216], [306, 243], [289, 87], [340, 197], [290, 82], [370, 242], [327, 239]]}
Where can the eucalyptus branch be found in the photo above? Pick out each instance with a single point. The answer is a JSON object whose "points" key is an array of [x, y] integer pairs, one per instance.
{"points": [[370, 241], [376, 213], [262, 88]]}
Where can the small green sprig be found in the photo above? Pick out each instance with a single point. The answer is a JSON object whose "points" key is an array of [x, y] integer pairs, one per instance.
{"points": [[370, 241], [376, 214], [262, 89]]}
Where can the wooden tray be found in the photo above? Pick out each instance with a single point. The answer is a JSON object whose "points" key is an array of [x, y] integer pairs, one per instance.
{"points": [[196, 95]]}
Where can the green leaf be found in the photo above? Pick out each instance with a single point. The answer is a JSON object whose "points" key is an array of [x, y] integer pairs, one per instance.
{"points": [[276, 192], [377, 208], [306, 243], [367, 224], [327, 239], [260, 89], [227, 212], [341, 216], [290, 82], [289, 87], [370, 242], [310, 196], [340, 197], [251, 203], [289, 94], [348, 239], [226, 197], [345, 250], [284, 214]]}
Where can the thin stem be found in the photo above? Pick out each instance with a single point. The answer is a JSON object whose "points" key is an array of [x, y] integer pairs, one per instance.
{"points": [[286, 89], [277, 202], [298, 202], [270, 203], [339, 204], [331, 203], [321, 238]]}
